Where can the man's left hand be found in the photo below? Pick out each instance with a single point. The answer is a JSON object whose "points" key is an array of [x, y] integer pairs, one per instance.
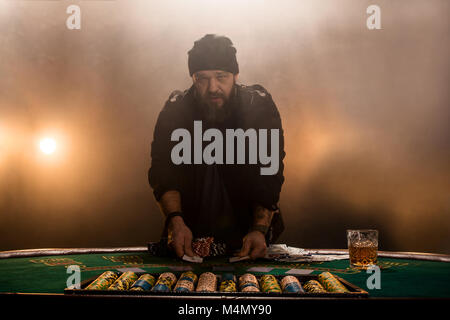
{"points": [[254, 245]]}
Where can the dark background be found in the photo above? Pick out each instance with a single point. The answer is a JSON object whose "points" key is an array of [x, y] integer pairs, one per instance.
{"points": [[365, 114]]}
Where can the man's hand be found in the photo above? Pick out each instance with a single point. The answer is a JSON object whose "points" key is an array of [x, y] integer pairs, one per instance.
{"points": [[254, 245], [180, 237]]}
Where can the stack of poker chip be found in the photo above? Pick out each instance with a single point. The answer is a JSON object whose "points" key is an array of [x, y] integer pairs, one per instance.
{"points": [[186, 282], [207, 282], [314, 286], [248, 283], [144, 283], [124, 282], [227, 283], [202, 246], [217, 249], [330, 283], [103, 281], [165, 282], [290, 284], [269, 284]]}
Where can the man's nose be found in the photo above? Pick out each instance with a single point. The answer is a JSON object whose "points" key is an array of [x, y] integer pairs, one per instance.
{"points": [[213, 87]]}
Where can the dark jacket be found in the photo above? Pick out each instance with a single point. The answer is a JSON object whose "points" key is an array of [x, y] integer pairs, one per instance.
{"points": [[251, 107]]}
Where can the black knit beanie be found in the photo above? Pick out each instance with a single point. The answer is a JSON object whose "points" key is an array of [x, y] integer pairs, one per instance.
{"points": [[213, 52]]}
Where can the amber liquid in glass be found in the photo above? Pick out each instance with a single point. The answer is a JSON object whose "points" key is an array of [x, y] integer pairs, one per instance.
{"points": [[362, 256]]}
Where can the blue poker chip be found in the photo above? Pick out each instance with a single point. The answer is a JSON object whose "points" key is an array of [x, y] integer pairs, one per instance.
{"points": [[293, 287], [142, 284], [249, 284], [182, 289], [161, 288]]}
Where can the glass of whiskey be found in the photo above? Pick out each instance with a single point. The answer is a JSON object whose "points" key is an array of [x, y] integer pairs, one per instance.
{"points": [[362, 248]]}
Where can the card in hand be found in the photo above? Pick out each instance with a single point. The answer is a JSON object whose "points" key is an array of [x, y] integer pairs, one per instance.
{"points": [[236, 259], [192, 259]]}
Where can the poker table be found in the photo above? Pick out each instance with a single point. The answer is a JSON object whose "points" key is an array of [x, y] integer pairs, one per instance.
{"points": [[44, 271], [34, 280]]}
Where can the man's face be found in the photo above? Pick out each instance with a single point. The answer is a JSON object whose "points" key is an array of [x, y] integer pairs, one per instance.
{"points": [[214, 87]]}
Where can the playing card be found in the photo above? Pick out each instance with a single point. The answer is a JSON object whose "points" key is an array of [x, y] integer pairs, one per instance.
{"points": [[193, 259], [236, 259]]}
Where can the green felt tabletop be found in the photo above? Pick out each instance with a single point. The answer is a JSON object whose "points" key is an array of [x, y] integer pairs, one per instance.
{"points": [[48, 274]]}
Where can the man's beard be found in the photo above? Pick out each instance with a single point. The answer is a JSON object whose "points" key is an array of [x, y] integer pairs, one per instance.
{"points": [[214, 114]]}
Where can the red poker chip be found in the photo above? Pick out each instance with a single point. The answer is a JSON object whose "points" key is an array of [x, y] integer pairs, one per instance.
{"points": [[201, 246]]}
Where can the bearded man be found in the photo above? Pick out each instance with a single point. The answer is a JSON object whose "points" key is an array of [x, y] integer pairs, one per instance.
{"points": [[234, 203]]}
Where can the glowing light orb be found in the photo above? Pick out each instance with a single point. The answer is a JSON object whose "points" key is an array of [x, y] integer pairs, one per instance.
{"points": [[47, 145]]}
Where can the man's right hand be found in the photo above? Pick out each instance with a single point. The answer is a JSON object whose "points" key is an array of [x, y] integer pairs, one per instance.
{"points": [[180, 237]]}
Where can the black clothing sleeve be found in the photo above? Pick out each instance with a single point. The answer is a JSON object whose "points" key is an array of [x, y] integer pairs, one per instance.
{"points": [[269, 186], [163, 174]]}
